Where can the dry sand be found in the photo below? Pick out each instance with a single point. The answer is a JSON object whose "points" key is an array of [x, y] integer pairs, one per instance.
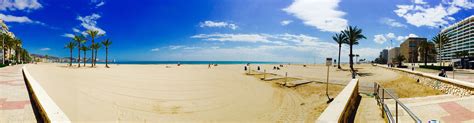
{"points": [[317, 72], [189, 93]]}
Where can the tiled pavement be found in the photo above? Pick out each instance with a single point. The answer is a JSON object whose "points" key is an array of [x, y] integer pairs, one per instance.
{"points": [[444, 108], [15, 106]]}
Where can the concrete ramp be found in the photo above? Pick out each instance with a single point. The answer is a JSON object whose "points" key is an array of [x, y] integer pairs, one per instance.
{"points": [[296, 83], [272, 78]]}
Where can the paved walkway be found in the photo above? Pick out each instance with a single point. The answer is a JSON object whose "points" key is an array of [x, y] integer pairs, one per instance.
{"points": [[444, 108], [15, 104]]}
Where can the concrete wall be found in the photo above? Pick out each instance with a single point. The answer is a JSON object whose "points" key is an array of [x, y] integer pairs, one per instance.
{"points": [[42, 103], [344, 107]]}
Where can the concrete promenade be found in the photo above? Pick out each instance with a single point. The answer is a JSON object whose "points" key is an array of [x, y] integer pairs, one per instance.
{"points": [[15, 103]]}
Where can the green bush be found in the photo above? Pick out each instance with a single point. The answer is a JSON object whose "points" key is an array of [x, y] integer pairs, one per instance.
{"points": [[446, 68], [2, 65]]}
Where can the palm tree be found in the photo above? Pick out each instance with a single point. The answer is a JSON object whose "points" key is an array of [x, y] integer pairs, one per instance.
{"points": [[340, 39], [95, 47], [399, 58], [80, 39], [84, 49], [94, 34], [353, 35], [440, 39], [426, 48], [17, 47], [70, 46], [106, 44]]}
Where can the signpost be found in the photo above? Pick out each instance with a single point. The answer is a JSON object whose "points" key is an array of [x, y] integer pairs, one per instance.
{"points": [[328, 64]]}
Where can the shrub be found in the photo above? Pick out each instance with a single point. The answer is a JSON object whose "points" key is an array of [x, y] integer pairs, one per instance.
{"points": [[446, 68], [2, 65]]}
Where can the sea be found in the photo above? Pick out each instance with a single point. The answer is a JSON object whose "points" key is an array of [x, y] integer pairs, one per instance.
{"points": [[192, 62]]}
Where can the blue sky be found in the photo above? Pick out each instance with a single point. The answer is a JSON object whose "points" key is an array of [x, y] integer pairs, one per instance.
{"points": [[255, 30]]}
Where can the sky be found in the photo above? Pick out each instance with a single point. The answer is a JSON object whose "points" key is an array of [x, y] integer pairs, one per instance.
{"points": [[227, 30]]}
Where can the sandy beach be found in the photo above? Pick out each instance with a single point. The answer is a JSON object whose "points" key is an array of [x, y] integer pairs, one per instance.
{"points": [[155, 93]]}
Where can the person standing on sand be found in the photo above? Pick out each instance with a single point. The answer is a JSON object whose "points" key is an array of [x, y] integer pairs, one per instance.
{"points": [[209, 66], [258, 68], [245, 68]]}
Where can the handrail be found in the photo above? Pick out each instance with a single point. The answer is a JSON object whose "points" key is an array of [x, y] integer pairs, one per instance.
{"points": [[412, 115], [386, 111]]}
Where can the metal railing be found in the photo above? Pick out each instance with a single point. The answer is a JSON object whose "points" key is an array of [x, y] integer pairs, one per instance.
{"points": [[379, 93]]}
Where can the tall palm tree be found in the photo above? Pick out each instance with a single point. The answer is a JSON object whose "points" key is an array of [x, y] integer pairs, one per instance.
{"points": [[17, 48], [426, 48], [84, 49], [93, 34], [70, 46], [353, 35], [440, 39], [95, 47], [79, 39], [106, 44], [340, 39]]}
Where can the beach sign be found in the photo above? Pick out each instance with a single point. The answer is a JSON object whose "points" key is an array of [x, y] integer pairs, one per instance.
{"points": [[328, 61]]}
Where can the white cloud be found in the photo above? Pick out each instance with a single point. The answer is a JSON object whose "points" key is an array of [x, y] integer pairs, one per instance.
{"points": [[218, 24], [380, 39], [392, 22], [68, 35], [18, 19], [76, 30], [403, 38], [45, 49], [100, 4], [419, 2], [90, 22], [176, 47], [278, 39], [234, 37], [155, 49], [322, 14], [390, 35], [420, 14], [285, 22], [13, 5]]}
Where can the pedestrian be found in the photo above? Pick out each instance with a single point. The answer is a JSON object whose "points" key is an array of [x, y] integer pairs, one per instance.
{"points": [[245, 68], [258, 68]]}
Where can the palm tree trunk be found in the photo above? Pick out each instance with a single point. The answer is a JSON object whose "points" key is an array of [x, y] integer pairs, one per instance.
{"points": [[95, 57], [79, 57], [70, 60], [339, 58], [351, 62], [107, 57], [84, 58], [92, 53]]}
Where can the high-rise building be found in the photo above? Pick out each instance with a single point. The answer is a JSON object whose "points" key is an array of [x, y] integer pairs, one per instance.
{"points": [[384, 54], [460, 39], [409, 49], [392, 53]]}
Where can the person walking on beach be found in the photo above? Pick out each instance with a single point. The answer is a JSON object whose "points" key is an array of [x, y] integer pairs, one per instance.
{"points": [[209, 66], [258, 68], [245, 68]]}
